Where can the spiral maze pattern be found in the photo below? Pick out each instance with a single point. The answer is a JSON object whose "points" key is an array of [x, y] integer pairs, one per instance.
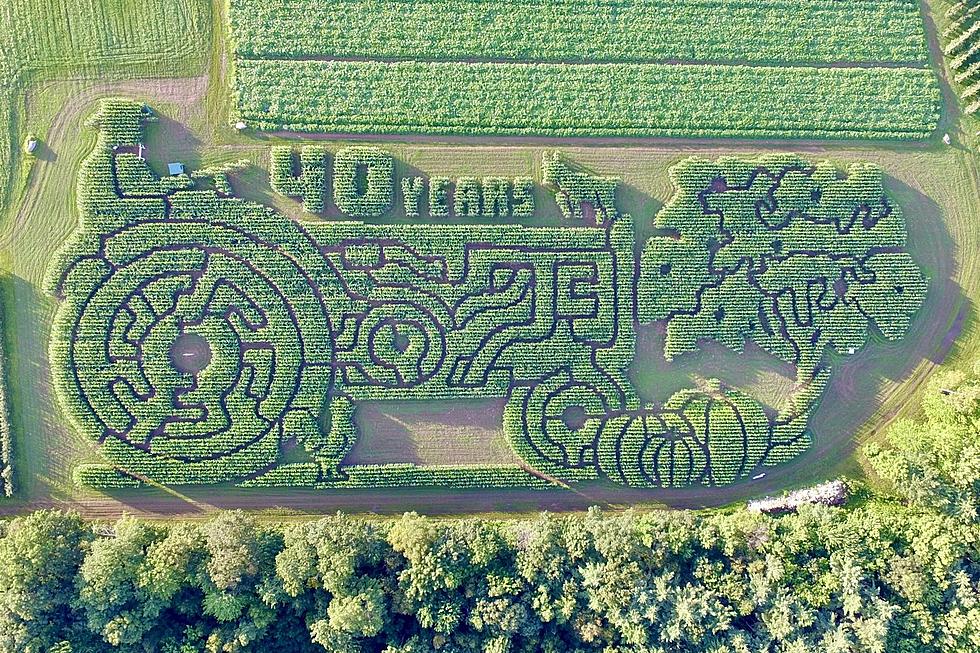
{"points": [[266, 354], [198, 334]]}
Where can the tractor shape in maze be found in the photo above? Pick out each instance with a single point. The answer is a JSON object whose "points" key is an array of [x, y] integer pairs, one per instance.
{"points": [[199, 334]]}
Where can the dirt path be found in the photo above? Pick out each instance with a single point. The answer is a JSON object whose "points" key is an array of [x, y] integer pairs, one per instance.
{"points": [[681, 145]]}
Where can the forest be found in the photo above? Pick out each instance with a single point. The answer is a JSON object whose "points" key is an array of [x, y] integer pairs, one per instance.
{"points": [[895, 572]]}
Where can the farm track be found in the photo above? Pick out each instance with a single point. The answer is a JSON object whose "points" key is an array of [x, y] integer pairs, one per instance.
{"points": [[190, 502], [680, 145]]}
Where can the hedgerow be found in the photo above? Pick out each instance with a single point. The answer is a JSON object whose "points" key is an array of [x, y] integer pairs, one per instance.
{"points": [[707, 100], [6, 436], [760, 31], [200, 335]]}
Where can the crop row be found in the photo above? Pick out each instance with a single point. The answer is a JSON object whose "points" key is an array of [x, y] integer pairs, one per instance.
{"points": [[588, 100], [962, 51], [404, 475], [773, 31]]}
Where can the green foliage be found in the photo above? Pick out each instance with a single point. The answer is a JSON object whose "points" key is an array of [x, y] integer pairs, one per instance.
{"points": [[522, 204], [40, 555], [494, 197], [178, 268], [363, 181], [102, 476], [793, 31], [751, 230], [466, 197], [218, 174], [879, 578], [411, 195], [796, 258], [134, 178], [407, 97], [574, 188], [310, 182], [439, 197], [200, 335], [934, 463]]}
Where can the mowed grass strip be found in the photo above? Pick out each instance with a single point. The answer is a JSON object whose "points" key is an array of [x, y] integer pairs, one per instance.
{"points": [[759, 31], [588, 100]]}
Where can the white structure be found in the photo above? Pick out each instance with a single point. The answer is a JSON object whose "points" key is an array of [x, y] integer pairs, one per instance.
{"points": [[831, 493]]}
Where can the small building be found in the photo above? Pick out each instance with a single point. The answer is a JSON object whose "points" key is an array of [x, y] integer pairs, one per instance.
{"points": [[175, 168], [30, 145]]}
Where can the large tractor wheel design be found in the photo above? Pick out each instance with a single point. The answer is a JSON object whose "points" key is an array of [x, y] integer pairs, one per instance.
{"points": [[191, 348]]}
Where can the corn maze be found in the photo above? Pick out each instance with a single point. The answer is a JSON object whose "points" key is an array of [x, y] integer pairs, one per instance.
{"points": [[200, 336]]}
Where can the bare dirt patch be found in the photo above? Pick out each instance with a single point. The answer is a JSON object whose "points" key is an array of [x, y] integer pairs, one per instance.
{"points": [[190, 353], [466, 432]]}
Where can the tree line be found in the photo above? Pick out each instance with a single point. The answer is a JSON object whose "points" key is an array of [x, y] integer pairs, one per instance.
{"points": [[895, 572]]}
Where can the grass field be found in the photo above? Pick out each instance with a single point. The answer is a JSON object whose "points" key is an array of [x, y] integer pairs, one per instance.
{"points": [[432, 433], [936, 185]]}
